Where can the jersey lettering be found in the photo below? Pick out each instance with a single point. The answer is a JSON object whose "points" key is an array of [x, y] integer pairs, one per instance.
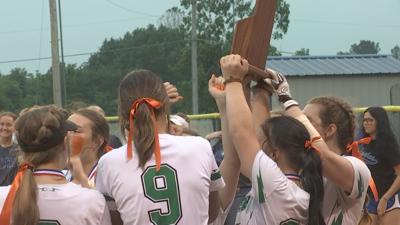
{"points": [[338, 220], [290, 222], [162, 186]]}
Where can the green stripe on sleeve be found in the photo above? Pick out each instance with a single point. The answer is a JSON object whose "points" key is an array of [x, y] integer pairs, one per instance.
{"points": [[215, 175]]}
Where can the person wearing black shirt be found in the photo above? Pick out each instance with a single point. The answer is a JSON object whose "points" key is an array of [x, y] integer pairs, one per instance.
{"points": [[8, 149], [382, 157]]}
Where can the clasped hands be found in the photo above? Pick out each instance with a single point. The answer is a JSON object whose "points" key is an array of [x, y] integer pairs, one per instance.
{"points": [[235, 68]]}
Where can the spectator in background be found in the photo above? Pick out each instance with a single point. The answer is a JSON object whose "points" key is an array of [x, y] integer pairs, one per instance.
{"points": [[382, 156], [178, 123], [215, 139], [114, 140], [97, 109], [8, 149]]}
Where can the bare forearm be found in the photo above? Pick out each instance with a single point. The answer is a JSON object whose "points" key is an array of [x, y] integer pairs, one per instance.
{"points": [[237, 109], [260, 111], [229, 149], [230, 166], [241, 127]]}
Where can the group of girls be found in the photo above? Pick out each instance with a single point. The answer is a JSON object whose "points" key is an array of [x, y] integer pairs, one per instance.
{"points": [[300, 164]]}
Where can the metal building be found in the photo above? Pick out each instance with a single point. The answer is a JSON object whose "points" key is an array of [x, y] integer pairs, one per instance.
{"points": [[363, 80]]}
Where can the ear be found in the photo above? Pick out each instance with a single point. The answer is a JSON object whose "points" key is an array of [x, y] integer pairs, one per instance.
{"points": [[97, 143], [330, 131]]}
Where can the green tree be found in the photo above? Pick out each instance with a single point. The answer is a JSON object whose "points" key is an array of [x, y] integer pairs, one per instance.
{"points": [[302, 52], [365, 47], [215, 31], [343, 53], [10, 94], [173, 18], [154, 48], [216, 19], [273, 51], [165, 49], [396, 52]]}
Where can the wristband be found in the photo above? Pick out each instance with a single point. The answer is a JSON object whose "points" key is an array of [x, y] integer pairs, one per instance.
{"points": [[284, 98], [286, 105], [231, 80]]}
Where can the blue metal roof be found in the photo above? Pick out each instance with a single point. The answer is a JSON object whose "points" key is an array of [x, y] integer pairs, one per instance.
{"points": [[334, 65]]}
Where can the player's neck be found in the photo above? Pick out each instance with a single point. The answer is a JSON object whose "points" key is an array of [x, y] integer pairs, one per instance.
{"points": [[333, 146], [162, 125], [48, 178], [291, 174], [294, 177], [288, 170], [87, 167], [5, 141]]}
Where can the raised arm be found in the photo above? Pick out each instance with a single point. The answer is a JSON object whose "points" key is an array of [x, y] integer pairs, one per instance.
{"points": [[260, 100], [172, 93], [240, 125], [230, 166], [335, 168]]}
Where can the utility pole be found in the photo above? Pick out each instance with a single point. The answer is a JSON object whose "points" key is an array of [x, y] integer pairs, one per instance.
{"points": [[195, 88], [57, 97], [63, 74]]}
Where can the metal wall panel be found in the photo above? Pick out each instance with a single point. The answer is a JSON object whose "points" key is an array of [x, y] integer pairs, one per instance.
{"points": [[359, 90]]}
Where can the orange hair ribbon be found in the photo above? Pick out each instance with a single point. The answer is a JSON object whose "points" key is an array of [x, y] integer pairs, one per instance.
{"points": [[153, 104], [353, 149], [5, 216], [309, 144]]}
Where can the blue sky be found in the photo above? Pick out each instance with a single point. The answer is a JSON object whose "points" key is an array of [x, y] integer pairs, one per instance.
{"points": [[325, 27]]}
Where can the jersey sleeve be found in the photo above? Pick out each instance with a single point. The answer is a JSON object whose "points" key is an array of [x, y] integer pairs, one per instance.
{"points": [[101, 179], [106, 219], [266, 176], [217, 182], [362, 176]]}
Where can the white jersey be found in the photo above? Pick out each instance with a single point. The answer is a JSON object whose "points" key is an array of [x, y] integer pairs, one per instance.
{"points": [[179, 192], [341, 208], [68, 204], [273, 199]]}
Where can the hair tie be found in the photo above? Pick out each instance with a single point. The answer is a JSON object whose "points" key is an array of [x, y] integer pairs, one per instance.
{"points": [[26, 166], [153, 104], [5, 216], [309, 144]]}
